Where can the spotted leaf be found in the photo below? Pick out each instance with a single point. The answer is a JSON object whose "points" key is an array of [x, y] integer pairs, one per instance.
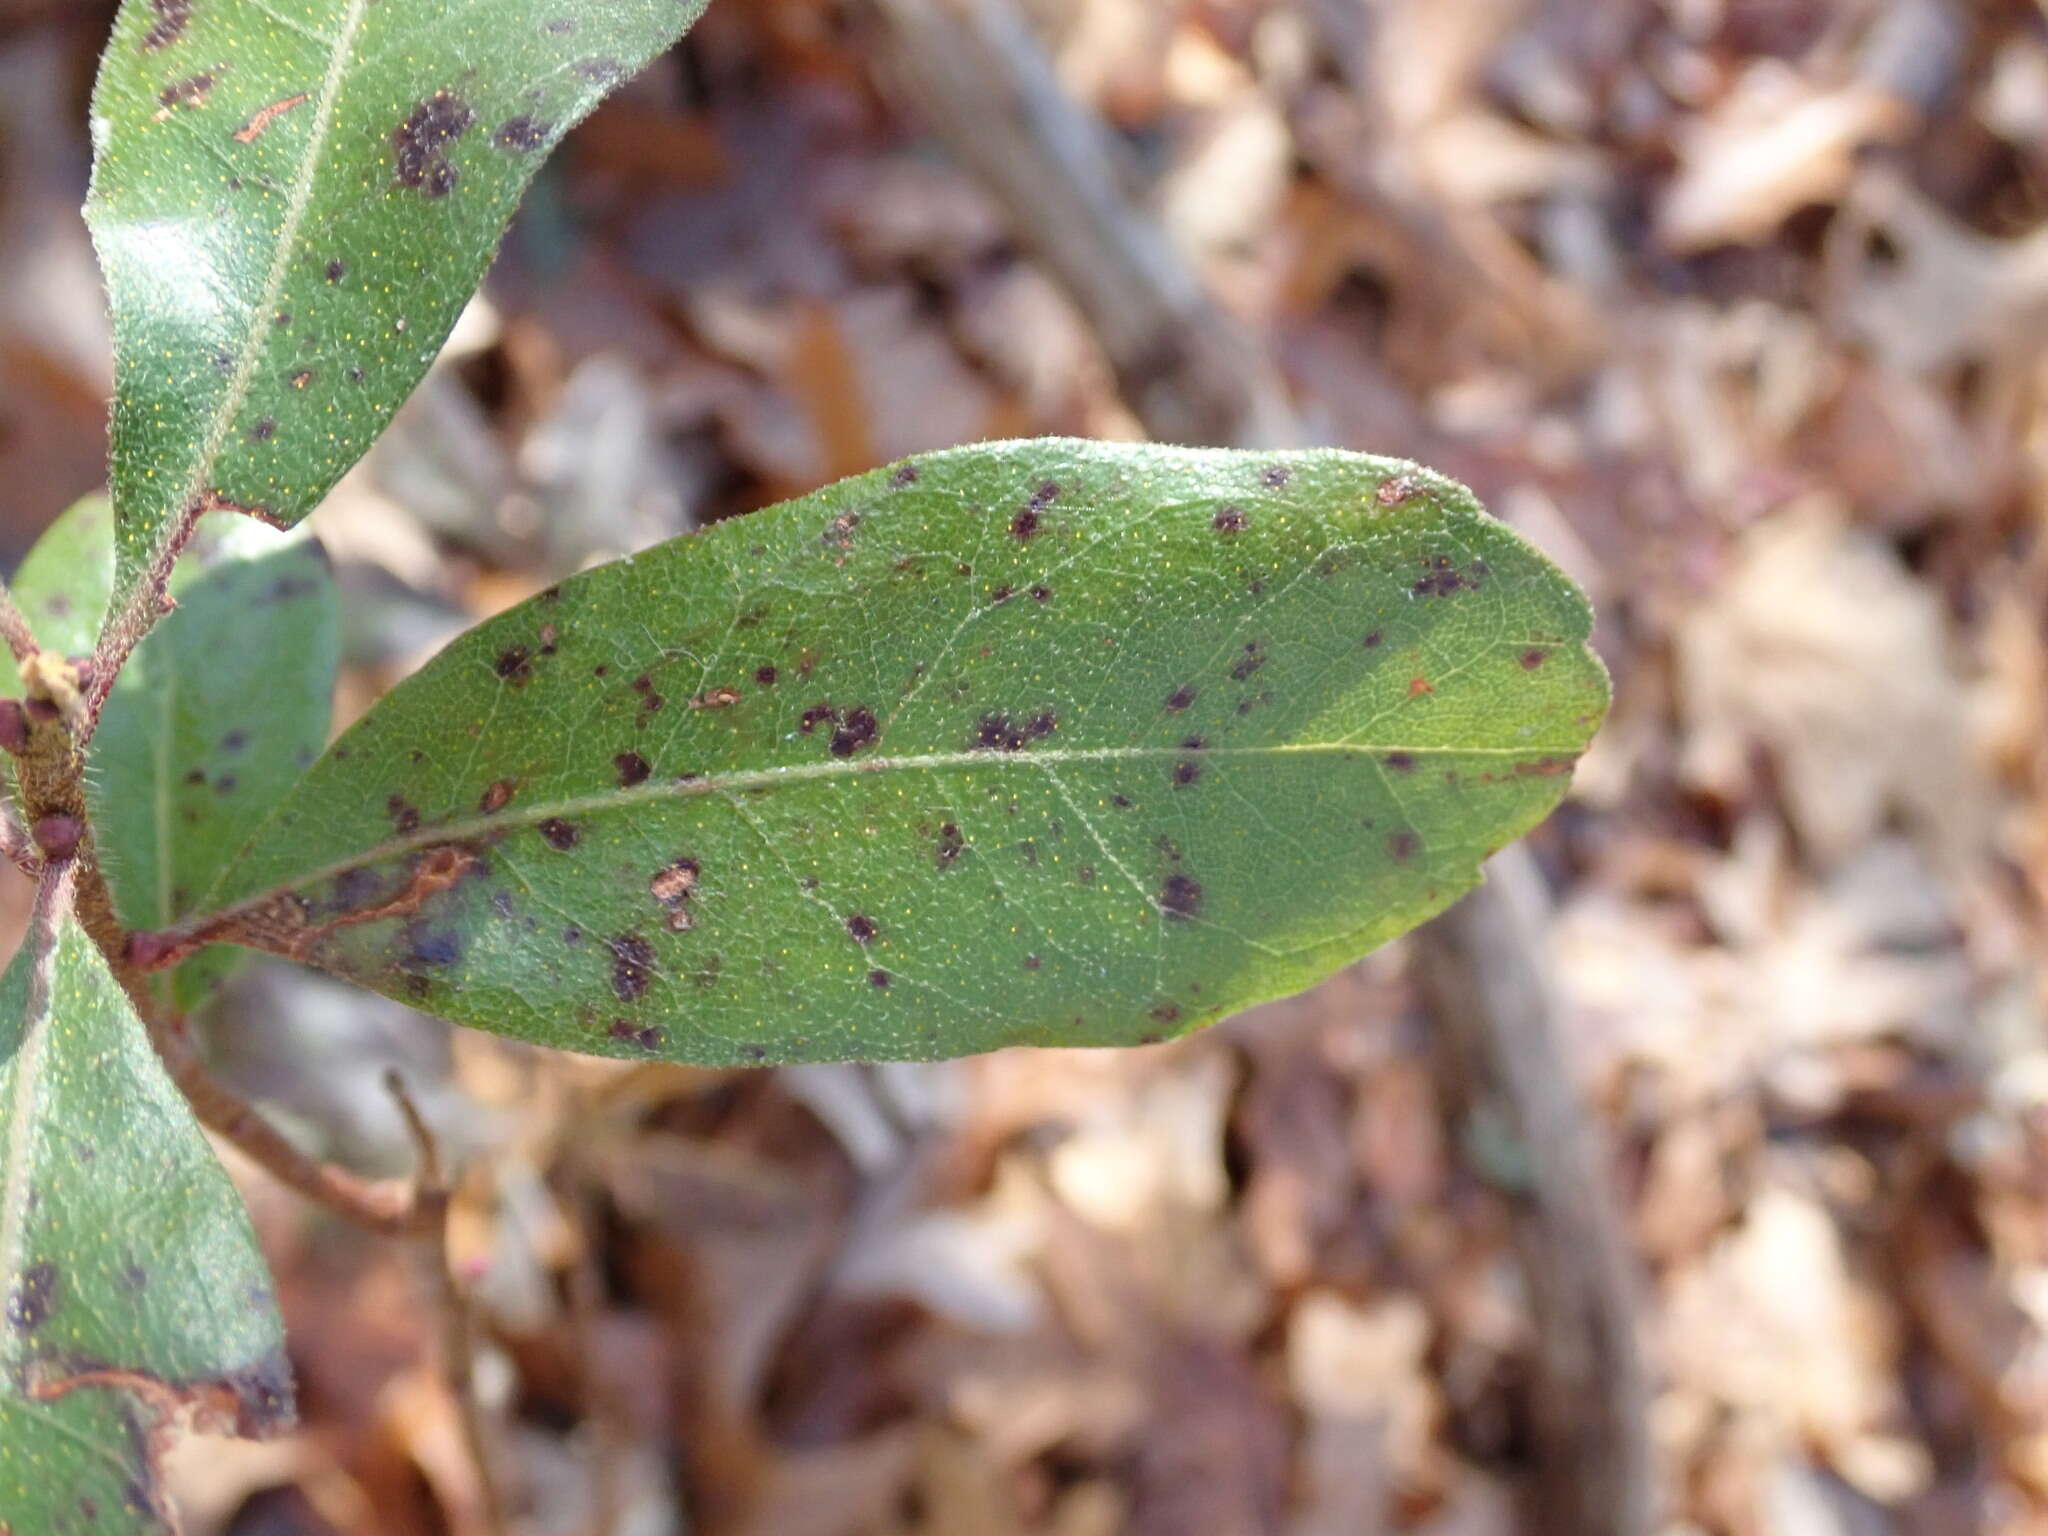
{"points": [[292, 200], [1032, 744], [134, 1296]]}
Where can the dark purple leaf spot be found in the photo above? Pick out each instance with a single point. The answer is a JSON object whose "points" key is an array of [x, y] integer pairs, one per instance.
{"points": [[337, 269], [172, 17], [419, 145], [428, 946], [1533, 658], [34, 1297], [405, 818], [514, 665], [1274, 477], [1180, 896], [651, 703], [1401, 762], [950, 845], [522, 134], [1254, 657], [1401, 488], [1373, 640], [1032, 962], [1041, 594], [765, 676], [861, 928], [1442, 578], [1403, 846], [263, 431], [561, 835], [1181, 697], [1230, 520], [186, 93], [857, 730], [497, 796], [649, 1037], [354, 889], [906, 475], [234, 741], [632, 965], [633, 769], [560, 26], [879, 978], [1164, 1013], [998, 733]]}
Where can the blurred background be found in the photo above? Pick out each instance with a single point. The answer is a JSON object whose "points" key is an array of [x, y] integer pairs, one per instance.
{"points": [[1719, 1205]]}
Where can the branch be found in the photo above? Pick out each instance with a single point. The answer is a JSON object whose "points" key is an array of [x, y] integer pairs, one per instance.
{"points": [[458, 1332], [1482, 972], [130, 623], [389, 1206], [21, 640]]}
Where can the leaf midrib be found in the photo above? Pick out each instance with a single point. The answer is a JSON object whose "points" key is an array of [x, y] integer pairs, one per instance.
{"points": [[533, 813]]}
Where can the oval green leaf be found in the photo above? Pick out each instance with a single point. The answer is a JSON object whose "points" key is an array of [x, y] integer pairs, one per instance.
{"points": [[134, 1291], [293, 202], [1048, 743]]}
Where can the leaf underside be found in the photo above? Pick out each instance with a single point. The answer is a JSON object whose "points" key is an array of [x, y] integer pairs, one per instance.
{"points": [[1034, 744], [292, 203], [134, 1292]]}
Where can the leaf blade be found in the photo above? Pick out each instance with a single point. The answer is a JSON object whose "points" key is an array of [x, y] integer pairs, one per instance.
{"points": [[65, 581], [133, 1289], [216, 715], [291, 213], [1047, 743]]}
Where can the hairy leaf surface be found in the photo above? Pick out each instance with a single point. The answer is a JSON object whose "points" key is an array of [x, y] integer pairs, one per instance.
{"points": [[133, 1288], [1046, 743], [292, 200]]}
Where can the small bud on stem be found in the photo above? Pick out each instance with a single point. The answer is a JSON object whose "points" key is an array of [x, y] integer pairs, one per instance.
{"points": [[57, 834]]}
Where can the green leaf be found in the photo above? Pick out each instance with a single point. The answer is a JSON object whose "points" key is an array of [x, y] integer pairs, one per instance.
{"points": [[63, 585], [133, 1288], [1048, 743], [219, 711], [292, 202]]}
